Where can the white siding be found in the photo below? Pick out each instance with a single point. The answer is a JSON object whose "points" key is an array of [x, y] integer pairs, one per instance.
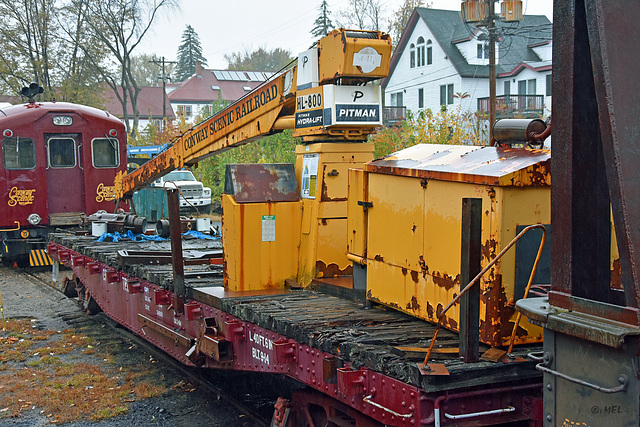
{"points": [[544, 51], [429, 77], [469, 49], [527, 74], [408, 81]]}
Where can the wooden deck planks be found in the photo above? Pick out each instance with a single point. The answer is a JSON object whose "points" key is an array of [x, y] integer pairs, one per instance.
{"points": [[365, 337]]}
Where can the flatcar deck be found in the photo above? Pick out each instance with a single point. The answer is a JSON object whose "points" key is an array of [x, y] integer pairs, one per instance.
{"points": [[359, 338], [365, 337]]}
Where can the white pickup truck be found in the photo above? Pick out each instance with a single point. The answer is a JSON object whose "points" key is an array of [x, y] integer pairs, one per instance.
{"points": [[193, 193]]}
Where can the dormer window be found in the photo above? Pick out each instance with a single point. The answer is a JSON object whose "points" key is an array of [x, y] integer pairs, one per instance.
{"points": [[412, 56], [420, 52], [483, 50]]}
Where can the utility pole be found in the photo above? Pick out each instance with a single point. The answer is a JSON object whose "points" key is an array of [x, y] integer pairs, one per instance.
{"points": [[164, 78], [492, 66], [482, 13]]}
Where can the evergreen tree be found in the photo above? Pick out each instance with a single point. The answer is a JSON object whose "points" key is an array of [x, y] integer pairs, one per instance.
{"points": [[322, 24], [189, 52]]}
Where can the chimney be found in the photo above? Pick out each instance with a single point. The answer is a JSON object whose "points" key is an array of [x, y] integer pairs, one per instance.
{"points": [[198, 68]]}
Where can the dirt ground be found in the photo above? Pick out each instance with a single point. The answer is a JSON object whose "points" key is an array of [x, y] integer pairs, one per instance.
{"points": [[59, 366]]}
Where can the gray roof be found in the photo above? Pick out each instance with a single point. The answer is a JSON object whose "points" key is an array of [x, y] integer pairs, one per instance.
{"points": [[448, 28]]}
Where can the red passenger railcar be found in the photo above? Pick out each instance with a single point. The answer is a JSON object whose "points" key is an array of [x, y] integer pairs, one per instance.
{"points": [[58, 164]]}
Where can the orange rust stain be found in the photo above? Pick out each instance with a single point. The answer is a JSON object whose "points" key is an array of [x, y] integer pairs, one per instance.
{"points": [[539, 174], [414, 276], [332, 270], [489, 249], [616, 275], [452, 323], [404, 271], [429, 310], [444, 280], [413, 305], [424, 268], [324, 192], [497, 324], [378, 257]]}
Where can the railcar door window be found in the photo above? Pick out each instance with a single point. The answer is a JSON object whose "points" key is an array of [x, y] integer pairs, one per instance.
{"points": [[62, 152], [18, 153], [105, 152]]}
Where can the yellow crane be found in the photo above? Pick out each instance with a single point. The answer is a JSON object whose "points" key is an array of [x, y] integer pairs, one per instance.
{"points": [[322, 97]]}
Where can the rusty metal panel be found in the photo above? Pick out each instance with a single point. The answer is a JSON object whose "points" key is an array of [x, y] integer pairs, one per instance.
{"points": [[612, 26], [414, 244], [331, 257], [480, 165], [357, 212], [366, 54], [261, 243], [261, 182]]}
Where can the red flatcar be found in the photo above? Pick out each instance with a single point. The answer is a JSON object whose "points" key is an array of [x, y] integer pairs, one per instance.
{"points": [[58, 164]]}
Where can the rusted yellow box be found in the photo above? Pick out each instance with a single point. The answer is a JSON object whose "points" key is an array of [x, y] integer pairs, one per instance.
{"points": [[366, 54], [261, 226], [413, 244]]}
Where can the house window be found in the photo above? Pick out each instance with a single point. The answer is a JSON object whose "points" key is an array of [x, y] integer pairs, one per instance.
{"points": [[420, 51], [420, 98], [549, 85], [185, 110], [483, 51], [507, 87], [446, 94], [412, 56], [522, 87], [429, 53], [396, 99], [531, 87]]}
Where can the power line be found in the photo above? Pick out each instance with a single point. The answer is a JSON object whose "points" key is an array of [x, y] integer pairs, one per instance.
{"points": [[164, 78]]}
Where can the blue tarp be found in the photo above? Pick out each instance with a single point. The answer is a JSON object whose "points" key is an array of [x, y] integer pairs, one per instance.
{"points": [[114, 237]]}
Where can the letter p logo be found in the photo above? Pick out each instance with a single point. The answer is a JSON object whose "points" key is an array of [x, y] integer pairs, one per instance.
{"points": [[357, 95]]}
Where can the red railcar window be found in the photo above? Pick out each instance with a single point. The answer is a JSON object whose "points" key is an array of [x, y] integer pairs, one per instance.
{"points": [[62, 152], [18, 153], [105, 152]]}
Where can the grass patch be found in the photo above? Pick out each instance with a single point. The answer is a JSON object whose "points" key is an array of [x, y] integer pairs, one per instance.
{"points": [[40, 377]]}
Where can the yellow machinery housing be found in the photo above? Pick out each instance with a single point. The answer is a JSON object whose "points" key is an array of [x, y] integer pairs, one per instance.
{"points": [[405, 227], [289, 226]]}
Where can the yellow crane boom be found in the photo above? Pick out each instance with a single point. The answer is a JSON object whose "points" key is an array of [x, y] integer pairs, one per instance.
{"points": [[321, 97]]}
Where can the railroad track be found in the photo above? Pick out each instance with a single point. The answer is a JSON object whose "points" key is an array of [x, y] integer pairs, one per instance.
{"points": [[122, 342]]}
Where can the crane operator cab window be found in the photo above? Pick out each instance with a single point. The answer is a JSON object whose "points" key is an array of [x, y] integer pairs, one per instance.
{"points": [[18, 153], [105, 152], [62, 152]]}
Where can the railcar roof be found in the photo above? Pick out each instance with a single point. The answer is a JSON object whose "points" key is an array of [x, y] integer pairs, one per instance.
{"points": [[40, 109], [480, 165]]}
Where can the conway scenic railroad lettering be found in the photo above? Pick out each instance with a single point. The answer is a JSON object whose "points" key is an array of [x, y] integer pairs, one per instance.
{"points": [[220, 124]]}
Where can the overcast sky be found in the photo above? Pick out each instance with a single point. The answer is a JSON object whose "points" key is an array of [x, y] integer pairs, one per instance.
{"points": [[230, 26]]}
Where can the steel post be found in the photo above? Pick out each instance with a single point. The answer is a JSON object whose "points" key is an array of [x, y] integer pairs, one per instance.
{"points": [[469, 268], [177, 259]]}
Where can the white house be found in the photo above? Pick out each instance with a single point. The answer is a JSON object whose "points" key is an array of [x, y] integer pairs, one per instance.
{"points": [[440, 60]]}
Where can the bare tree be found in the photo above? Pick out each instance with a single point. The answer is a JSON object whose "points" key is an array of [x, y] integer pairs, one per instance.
{"points": [[120, 26], [361, 15], [401, 16], [26, 42]]}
